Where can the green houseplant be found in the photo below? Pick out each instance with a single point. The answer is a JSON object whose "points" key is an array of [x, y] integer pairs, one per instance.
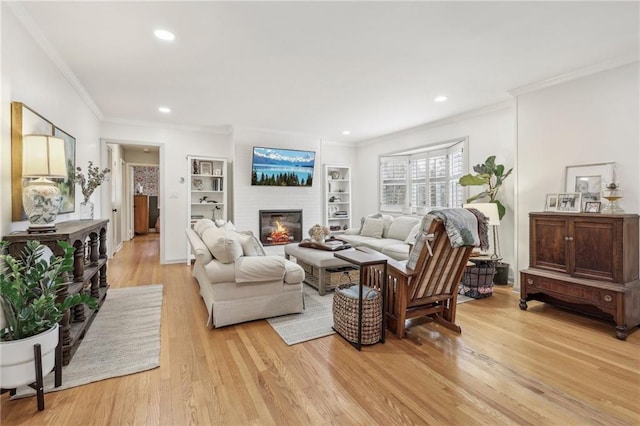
{"points": [[492, 176], [31, 308]]}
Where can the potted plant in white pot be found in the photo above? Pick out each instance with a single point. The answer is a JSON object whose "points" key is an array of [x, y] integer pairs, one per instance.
{"points": [[31, 309], [492, 176]]}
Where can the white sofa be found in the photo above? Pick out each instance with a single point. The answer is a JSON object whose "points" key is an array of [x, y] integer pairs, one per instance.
{"points": [[237, 281], [386, 234]]}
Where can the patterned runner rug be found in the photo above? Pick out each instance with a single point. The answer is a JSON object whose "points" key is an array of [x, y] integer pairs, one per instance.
{"points": [[124, 338]]}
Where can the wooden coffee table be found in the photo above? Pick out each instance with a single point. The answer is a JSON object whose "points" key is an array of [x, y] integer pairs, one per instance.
{"points": [[318, 261]]}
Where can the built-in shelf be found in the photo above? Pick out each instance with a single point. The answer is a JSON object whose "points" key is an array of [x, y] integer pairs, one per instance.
{"points": [[337, 197], [207, 178]]}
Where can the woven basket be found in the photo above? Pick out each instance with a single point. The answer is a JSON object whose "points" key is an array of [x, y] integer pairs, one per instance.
{"points": [[478, 282], [335, 276], [345, 315]]}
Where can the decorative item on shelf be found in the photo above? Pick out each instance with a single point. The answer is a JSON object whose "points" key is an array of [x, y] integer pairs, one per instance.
{"points": [[341, 213], [216, 212], [88, 184], [32, 306], [345, 227], [42, 157], [592, 207], [197, 184], [318, 233], [203, 200], [217, 172], [194, 167], [206, 167], [612, 194], [334, 174], [334, 199], [333, 210]]}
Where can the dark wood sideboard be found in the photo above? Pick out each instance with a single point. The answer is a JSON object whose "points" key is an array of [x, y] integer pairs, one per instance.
{"points": [[586, 262], [89, 237]]}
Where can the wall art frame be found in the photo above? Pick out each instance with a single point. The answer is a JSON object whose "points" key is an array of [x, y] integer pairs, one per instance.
{"points": [[569, 202], [592, 207], [26, 121], [551, 203], [589, 179], [206, 168]]}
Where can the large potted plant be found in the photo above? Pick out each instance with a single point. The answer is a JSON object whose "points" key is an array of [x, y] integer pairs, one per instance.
{"points": [[492, 177], [32, 309]]}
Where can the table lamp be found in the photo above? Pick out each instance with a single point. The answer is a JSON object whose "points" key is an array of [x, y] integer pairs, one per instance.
{"points": [[43, 157], [490, 210]]}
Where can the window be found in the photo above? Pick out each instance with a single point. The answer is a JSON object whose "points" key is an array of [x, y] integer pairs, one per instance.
{"points": [[423, 180]]}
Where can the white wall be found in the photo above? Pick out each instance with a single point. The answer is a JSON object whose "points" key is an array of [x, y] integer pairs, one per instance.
{"points": [[489, 133], [175, 145], [30, 77], [589, 120]]}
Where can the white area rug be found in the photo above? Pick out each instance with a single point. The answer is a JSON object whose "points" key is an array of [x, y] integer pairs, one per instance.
{"points": [[316, 320], [124, 338]]}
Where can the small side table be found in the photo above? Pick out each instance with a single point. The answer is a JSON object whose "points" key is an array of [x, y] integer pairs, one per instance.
{"points": [[363, 258]]}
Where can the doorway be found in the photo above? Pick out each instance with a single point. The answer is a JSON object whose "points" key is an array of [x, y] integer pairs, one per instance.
{"points": [[122, 157]]}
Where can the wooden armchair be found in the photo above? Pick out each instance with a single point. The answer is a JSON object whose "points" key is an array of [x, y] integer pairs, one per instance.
{"points": [[431, 288]]}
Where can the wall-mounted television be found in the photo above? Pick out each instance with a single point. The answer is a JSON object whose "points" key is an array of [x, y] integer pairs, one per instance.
{"points": [[282, 167]]}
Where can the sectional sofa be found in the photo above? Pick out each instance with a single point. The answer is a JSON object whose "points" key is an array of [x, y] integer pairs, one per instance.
{"points": [[386, 234]]}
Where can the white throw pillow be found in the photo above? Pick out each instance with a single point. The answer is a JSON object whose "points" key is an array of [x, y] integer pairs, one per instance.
{"points": [[413, 234], [401, 227], [222, 244], [251, 246], [201, 225], [372, 228]]}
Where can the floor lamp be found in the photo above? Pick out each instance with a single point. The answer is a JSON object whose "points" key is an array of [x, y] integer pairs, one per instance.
{"points": [[490, 210]]}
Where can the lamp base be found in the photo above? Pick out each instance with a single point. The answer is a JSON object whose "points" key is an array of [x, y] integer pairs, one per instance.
{"points": [[41, 229]]}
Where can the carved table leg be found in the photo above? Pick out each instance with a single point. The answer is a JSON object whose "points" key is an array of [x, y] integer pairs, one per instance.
{"points": [[621, 332]]}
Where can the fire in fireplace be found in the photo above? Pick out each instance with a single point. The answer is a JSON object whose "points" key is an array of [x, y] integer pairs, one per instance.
{"points": [[280, 226]]}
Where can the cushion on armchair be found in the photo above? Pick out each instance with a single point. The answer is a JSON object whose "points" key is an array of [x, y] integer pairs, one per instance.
{"points": [[259, 268], [223, 245]]}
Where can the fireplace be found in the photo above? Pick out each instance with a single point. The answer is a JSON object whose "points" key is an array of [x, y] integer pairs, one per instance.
{"points": [[280, 227]]}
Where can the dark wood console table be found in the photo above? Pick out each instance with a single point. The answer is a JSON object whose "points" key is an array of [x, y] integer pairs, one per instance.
{"points": [[89, 238]]}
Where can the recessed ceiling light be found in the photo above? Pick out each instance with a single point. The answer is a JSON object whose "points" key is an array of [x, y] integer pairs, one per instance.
{"points": [[346, 132], [164, 35], [164, 110], [440, 99]]}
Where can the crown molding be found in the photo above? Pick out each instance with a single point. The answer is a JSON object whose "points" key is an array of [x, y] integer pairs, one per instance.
{"points": [[274, 131], [442, 122], [575, 74], [32, 28], [216, 130]]}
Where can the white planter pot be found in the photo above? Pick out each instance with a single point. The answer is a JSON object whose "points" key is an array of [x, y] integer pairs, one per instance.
{"points": [[17, 366]]}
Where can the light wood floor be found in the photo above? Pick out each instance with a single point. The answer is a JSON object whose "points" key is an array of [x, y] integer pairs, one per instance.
{"points": [[543, 366]]}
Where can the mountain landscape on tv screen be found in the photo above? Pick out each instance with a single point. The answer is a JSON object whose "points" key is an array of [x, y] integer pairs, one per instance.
{"points": [[282, 167]]}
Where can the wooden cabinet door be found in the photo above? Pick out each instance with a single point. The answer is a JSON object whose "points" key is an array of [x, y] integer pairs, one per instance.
{"points": [[596, 249], [141, 214], [548, 243]]}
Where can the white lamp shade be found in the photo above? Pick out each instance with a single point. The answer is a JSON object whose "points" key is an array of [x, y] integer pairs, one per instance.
{"points": [[490, 210], [43, 156]]}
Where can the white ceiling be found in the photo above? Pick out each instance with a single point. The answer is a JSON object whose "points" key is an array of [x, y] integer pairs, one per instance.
{"points": [[323, 67]]}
